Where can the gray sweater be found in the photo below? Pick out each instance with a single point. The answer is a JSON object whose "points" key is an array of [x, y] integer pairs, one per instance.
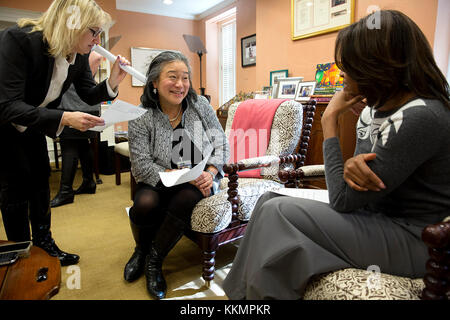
{"points": [[150, 140], [412, 145]]}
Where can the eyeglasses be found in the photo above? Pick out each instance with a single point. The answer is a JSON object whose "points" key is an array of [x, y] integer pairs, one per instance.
{"points": [[95, 33]]}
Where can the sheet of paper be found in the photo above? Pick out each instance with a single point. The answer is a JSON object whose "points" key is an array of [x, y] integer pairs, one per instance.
{"points": [[119, 111], [174, 178], [313, 194]]}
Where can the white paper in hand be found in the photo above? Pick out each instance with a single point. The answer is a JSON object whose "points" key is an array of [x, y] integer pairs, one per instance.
{"points": [[119, 111], [176, 177]]}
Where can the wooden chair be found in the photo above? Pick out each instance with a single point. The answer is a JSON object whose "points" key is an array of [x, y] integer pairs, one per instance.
{"points": [[223, 218], [352, 283]]}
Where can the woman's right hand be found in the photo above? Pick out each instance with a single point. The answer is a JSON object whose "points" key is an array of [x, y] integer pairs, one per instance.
{"points": [[80, 120], [359, 176]]}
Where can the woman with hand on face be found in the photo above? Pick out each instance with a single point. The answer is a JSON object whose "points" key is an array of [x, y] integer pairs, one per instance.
{"points": [[177, 131], [39, 60], [380, 200]]}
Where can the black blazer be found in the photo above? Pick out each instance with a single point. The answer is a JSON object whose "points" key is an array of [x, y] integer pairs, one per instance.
{"points": [[25, 72]]}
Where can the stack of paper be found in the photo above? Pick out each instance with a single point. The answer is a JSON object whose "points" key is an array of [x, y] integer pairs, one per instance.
{"points": [[312, 194], [119, 111]]}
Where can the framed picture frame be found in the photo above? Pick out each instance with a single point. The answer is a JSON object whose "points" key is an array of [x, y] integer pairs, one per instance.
{"points": [[314, 17], [277, 74], [287, 87], [248, 51], [305, 90]]}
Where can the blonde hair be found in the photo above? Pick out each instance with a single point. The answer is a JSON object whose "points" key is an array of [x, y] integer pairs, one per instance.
{"points": [[65, 21]]}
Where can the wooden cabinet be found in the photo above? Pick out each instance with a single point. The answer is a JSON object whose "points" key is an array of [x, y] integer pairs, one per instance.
{"points": [[347, 139], [347, 136]]}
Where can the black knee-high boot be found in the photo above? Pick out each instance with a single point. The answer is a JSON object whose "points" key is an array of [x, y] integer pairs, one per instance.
{"points": [[68, 171], [40, 218], [87, 167], [143, 236], [167, 236]]}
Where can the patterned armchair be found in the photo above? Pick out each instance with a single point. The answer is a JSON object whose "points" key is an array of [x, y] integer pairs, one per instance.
{"points": [[223, 218], [358, 284]]}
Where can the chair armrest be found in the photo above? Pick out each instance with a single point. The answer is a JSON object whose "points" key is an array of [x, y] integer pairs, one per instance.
{"points": [[232, 170], [293, 178], [437, 276]]}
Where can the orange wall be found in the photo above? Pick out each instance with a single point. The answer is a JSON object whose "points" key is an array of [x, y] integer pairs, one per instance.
{"points": [[276, 50], [137, 30], [245, 26], [269, 19]]}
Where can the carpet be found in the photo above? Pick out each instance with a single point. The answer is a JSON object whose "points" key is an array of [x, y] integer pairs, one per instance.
{"points": [[96, 227]]}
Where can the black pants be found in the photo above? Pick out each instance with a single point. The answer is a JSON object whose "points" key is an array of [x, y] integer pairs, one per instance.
{"points": [[151, 204], [71, 151], [24, 184]]}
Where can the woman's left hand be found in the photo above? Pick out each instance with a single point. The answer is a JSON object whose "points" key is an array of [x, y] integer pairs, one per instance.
{"points": [[117, 73], [343, 101], [204, 183]]}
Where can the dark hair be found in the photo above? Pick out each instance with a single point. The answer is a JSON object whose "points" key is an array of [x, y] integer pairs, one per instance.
{"points": [[389, 57], [149, 99]]}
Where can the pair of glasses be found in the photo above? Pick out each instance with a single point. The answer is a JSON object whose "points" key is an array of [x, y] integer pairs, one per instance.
{"points": [[95, 33]]}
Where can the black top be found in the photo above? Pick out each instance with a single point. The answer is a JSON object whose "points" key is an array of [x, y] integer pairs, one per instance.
{"points": [[26, 70], [184, 152]]}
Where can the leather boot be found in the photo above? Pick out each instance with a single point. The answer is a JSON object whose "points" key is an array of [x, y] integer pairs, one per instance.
{"points": [[143, 236], [167, 236], [68, 171], [87, 167], [48, 244], [87, 186], [64, 196], [40, 218]]}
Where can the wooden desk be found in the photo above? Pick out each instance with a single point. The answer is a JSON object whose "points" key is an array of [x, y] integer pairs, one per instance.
{"points": [[18, 281]]}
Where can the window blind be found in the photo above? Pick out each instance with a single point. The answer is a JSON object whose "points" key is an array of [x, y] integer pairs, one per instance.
{"points": [[228, 61]]}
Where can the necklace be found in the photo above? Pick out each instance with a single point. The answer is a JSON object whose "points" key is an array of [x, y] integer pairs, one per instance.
{"points": [[179, 111]]}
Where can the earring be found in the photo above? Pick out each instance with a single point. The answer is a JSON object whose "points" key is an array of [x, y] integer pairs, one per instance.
{"points": [[155, 91]]}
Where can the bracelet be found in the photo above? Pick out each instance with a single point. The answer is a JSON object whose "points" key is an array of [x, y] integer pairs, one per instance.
{"points": [[213, 175]]}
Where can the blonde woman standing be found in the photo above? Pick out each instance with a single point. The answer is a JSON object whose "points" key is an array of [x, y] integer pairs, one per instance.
{"points": [[39, 60]]}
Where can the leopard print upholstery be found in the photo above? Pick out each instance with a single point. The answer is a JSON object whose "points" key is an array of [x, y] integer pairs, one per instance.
{"points": [[358, 284], [213, 214]]}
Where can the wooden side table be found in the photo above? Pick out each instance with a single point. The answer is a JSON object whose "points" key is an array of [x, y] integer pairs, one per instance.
{"points": [[36, 277]]}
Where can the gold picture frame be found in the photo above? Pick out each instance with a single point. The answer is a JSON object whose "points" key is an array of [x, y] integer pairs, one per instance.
{"points": [[314, 17]]}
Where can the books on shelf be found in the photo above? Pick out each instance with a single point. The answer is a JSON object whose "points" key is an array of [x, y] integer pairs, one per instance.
{"points": [[322, 97]]}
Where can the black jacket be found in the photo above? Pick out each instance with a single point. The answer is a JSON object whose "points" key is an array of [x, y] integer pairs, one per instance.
{"points": [[25, 72]]}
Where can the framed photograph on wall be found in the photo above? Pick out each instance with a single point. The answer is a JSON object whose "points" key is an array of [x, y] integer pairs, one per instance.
{"points": [[313, 17], [287, 87], [277, 74], [248, 51], [305, 90]]}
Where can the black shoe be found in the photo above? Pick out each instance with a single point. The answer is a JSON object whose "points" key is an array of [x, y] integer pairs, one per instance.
{"points": [[49, 245], [62, 198], [143, 236], [156, 284], [87, 186], [135, 266], [170, 231]]}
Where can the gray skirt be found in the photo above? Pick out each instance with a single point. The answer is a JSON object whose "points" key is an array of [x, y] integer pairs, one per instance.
{"points": [[288, 240]]}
